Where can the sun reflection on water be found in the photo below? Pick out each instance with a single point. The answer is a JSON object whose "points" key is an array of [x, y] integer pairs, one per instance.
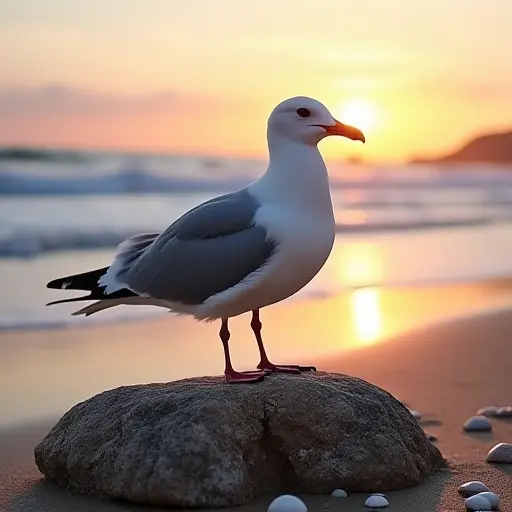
{"points": [[360, 269], [366, 314]]}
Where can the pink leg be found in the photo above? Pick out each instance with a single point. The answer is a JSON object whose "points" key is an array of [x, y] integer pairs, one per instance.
{"points": [[265, 363], [231, 375]]}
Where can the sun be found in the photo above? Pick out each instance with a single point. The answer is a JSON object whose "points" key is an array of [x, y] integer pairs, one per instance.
{"points": [[359, 113]]}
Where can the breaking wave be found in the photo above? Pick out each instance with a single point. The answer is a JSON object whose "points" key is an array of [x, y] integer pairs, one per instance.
{"points": [[30, 244], [204, 178], [125, 182]]}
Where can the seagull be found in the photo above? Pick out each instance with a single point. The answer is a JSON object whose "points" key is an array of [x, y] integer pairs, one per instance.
{"points": [[238, 252]]}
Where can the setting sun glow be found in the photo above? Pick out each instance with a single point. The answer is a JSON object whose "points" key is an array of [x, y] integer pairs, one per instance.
{"points": [[359, 113], [74, 76]]}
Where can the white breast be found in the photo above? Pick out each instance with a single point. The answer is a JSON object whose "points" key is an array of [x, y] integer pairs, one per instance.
{"points": [[305, 242], [296, 211]]}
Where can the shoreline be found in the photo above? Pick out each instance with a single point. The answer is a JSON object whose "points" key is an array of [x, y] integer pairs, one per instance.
{"points": [[445, 371], [174, 347], [492, 284]]}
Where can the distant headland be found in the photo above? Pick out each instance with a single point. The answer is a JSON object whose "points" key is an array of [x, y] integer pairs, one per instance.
{"points": [[490, 148]]}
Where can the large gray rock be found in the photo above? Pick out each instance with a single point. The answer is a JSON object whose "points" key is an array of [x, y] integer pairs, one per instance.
{"points": [[202, 442]]}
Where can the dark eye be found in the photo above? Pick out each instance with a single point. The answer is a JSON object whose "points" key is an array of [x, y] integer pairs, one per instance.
{"points": [[303, 112]]}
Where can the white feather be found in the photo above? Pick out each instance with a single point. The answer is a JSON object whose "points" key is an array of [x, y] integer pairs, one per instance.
{"points": [[109, 279]]}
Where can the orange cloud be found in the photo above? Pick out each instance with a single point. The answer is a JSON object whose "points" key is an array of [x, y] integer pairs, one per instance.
{"points": [[65, 116]]}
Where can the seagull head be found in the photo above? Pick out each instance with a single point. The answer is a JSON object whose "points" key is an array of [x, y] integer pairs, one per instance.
{"points": [[306, 120]]}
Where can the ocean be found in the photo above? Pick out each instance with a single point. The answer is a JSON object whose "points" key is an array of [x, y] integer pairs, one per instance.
{"points": [[410, 225]]}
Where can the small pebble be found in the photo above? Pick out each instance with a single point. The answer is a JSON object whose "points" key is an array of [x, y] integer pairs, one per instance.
{"points": [[477, 502], [416, 414], [488, 410], [287, 503], [501, 453], [504, 412], [376, 501], [472, 488], [478, 424], [431, 437], [339, 493], [377, 494], [493, 499]]}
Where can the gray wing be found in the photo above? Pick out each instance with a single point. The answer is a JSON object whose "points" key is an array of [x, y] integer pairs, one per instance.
{"points": [[209, 249]]}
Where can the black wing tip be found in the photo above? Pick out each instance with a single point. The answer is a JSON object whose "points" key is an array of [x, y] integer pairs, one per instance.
{"points": [[63, 283], [85, 281], [56, 284]]}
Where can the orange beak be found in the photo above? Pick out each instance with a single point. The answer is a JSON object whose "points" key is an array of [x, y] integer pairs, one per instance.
{"points": [[344, 130]]}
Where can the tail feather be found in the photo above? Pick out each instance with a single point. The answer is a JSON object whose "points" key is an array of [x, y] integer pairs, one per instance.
{"points": [[95, 308], [100, 305], [88, 281]]}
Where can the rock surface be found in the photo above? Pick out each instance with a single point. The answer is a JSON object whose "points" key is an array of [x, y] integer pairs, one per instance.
{"points": [[201, 442]]}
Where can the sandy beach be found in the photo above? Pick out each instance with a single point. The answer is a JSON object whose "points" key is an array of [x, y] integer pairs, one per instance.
{"points": [[445, 369], [349, 136]]}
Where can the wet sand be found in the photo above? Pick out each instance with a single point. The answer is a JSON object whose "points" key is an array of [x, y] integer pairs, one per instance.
{"points": [[446, 371]]}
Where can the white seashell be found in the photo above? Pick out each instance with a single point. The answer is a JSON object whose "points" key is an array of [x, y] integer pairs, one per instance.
{"points": [[488, 410], [339, 493], [477, 502], [287, 503], [504, 412], [472, 488], [501, 453], [376, 501], [493, 499], [478, 424]]}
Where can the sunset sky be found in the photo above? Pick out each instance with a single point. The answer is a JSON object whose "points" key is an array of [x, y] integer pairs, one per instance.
{"points": [[202, 75]]}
